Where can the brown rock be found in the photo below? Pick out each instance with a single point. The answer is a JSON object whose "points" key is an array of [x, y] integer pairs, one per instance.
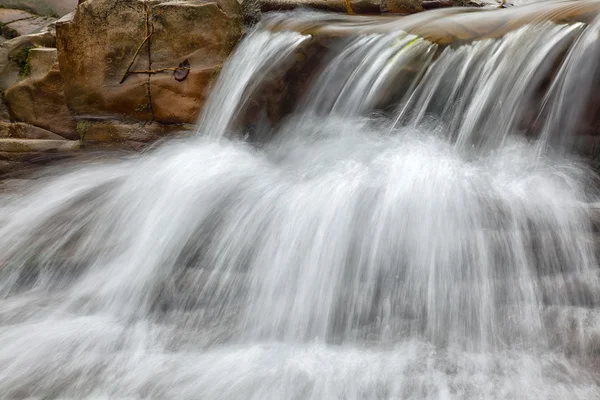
{"points": [[401, 6], [118, 132], [18, 155], [96, 47], [14, 52], [4, 115], [41, 60], [19, 130], [356, 6], [41, 102], [36, 145], [431, 4]]}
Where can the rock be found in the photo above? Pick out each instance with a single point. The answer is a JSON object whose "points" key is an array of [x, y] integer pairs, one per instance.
{"points": [[41, 102], [118, 132], [17, 22], [401, 6], [31, 25], [14, 54], [431, 4], [97, 45], [8, 167], [8, 15], [52, 8], [4, 115], [351, 7], [36, 145], [18, 156], [41, 60], [19, 130]]}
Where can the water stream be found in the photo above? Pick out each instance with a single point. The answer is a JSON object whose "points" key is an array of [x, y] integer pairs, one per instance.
{"points": [[403, 233]]}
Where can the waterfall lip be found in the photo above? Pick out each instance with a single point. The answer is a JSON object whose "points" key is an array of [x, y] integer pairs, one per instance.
{"points": [[442, 26]]}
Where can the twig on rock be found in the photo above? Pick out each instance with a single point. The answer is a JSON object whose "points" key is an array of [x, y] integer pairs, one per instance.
{"points": [[127, 71]]}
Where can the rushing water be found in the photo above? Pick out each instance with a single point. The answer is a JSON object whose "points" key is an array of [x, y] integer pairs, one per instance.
{"points": [[398, 237]]}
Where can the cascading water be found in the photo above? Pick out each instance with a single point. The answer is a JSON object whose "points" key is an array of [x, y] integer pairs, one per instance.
{"points": [[398, 237]]}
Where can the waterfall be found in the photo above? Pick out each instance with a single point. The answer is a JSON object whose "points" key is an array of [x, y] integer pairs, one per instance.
{"points": [[408, 228]]}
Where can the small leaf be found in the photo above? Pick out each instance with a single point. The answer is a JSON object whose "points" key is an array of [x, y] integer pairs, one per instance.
{"points": [[182, 71]]}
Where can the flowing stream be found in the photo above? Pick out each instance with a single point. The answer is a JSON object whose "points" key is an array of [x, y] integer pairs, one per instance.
{"points": [[413, 226]]}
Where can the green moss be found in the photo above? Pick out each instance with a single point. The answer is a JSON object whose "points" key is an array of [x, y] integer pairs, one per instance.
{"points": [[21, 58], [82, 128]]}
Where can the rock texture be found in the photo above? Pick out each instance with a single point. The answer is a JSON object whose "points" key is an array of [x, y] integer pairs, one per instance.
{"points": [[14, 53], [4, 115], [119, 57], [19, 130], [18, 22], [50, 8], [40, 101], [41, 60], [363, 6]]}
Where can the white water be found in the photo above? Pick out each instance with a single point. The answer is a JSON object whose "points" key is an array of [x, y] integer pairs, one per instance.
{"points": [[345, 258]]}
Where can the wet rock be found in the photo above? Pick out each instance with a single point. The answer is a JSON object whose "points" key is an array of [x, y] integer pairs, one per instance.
{"points": [[19, 130], [36, 145], [19, 156], [40, 101], [431, 4], [118, 57], [401, 6], [119, 132], [351, 7]]}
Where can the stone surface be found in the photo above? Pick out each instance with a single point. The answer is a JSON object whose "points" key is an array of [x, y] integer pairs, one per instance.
{"points": [[41, 102], [118, 132], [41, 60], [4, 115], [8, 15], [19, 130], [355, 6], [42, 7], [30, 25], [36, 145], [97, 45], [12, 50], [401, 6]]}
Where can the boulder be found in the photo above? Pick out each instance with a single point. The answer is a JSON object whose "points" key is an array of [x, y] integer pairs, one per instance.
{"points": [[119, 57], [40, 101], [18, 22], [18, 156], [119, 132], [19, 130], [36, 145], [401, 6], [41, 60], [8, 15], [343, 6], [4, 115], [51, 8], [361, 6], [15, 53]]}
